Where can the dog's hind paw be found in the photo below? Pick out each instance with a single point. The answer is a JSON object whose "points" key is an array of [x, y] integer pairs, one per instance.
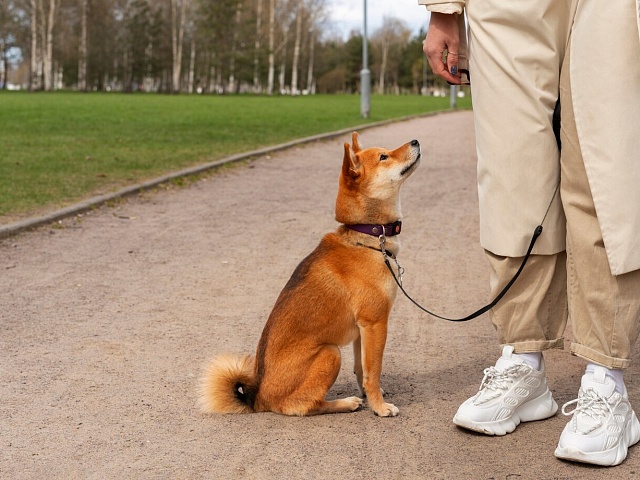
{"points": [[387, 410]]}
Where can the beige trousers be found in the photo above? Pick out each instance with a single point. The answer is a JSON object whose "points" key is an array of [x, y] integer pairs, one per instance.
{"points": [[604, 309]]}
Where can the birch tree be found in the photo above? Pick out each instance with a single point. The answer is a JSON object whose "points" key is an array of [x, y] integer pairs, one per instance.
{"points": [[9, 32], [283, 68], [317, 16], [47, 26], [296, 48], [272, 57], [35, 82], [82, 49], [192, 61], [389, 40], [162, 45], [312, 42], [256, 48], [234, 45], [178, 11]]}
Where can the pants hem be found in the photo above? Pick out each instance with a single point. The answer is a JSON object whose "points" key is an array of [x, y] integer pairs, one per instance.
{"points": [[531, 346], [599, 358]]}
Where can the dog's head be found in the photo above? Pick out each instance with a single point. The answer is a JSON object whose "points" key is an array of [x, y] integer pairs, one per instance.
{"points": [[370, 180]]}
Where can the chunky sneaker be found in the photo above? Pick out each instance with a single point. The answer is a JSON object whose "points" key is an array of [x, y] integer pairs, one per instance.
{"points": [[603, 424], [510, 393]]}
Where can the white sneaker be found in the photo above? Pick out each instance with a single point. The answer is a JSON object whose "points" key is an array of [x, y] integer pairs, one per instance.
{"points": [[603, 425], [510, 393]]}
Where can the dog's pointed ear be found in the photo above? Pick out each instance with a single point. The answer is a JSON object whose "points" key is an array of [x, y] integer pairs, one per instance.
{"points": [[350, 163], [355, 143]]}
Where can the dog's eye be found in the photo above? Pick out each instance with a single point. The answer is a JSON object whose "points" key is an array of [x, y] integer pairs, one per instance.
{"points": [[383, 157]]}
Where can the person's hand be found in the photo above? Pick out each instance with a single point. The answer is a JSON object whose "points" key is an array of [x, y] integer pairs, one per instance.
{"points": [[443, 34]]}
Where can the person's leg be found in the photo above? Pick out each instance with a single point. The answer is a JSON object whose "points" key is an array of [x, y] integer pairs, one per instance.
{"points": [[515, 74], [516, 49], [532, 315], [604, 309]]}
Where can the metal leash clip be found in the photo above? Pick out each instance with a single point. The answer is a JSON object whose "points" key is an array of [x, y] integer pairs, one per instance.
{"points": [[383, 240]]}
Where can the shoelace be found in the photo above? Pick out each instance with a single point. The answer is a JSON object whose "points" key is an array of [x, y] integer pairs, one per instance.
{"points": [[591, 404], [500, 379]]}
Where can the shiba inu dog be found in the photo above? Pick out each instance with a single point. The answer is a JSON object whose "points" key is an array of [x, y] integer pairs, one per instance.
{"points": [[341, 293]]}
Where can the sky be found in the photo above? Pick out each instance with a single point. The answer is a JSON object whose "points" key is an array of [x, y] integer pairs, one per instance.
{"points": [[347, 15]]}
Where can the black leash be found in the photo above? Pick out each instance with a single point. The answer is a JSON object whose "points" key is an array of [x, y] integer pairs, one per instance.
{"points": [[484, 309], [536, 233]]}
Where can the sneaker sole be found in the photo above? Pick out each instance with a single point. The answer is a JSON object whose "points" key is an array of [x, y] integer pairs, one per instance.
{"points": [[606, 458], [535, 409]]}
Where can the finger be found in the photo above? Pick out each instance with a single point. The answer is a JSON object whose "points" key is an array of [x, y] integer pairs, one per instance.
{"points": [[439, 66], [442, 70], [452, 62]]}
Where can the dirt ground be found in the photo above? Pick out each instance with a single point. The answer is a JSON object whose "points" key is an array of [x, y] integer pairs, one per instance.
{"points": [[107, 320]]}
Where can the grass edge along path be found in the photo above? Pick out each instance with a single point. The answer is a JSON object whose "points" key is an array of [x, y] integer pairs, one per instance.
{"points": [[89, 203], [93, 202]]}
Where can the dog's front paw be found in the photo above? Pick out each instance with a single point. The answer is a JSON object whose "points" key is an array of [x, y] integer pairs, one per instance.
{"points": [[387, 410]]}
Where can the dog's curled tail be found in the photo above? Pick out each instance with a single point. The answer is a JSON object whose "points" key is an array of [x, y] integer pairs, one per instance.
{"points": [[228, 385]]}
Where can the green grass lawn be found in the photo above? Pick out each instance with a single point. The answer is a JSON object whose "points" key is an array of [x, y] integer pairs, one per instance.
{"points": [[60, 147]]}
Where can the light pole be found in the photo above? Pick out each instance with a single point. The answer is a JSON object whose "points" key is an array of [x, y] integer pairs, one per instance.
{"points": [[453, 96], [365, 74]]}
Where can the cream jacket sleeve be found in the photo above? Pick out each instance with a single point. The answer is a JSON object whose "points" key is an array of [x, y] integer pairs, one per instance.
{"points": [[454, 7], [443, 7]]}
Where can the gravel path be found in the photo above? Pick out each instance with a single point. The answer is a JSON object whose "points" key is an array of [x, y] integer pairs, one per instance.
{"points": [[108, 318]]}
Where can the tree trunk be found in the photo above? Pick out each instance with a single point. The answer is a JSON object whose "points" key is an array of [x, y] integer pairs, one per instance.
{"points": [[312, 42], [5, 63], [82, 53], [33, 81], [383, 66], [234, 48], [283, 68], [296, 50], [127, 81], [212, 79], [42, 35], [192, 62], [177, 36], [48, 58], [256, 49], [272, 60]]}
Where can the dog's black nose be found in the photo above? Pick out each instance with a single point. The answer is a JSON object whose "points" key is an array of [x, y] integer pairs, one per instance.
{"points": [[415, 143]]}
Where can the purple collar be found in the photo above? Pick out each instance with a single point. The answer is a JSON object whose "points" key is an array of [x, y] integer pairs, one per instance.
{"points": [[390, 229]]}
